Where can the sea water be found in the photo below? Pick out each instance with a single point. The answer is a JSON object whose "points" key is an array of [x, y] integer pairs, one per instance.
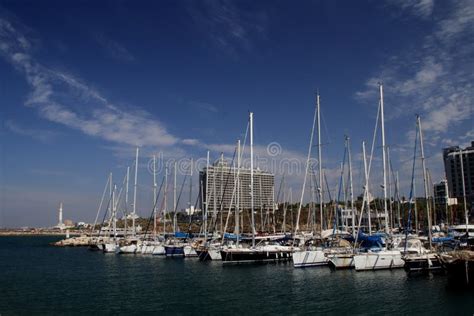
{"points": [[36, 278]]}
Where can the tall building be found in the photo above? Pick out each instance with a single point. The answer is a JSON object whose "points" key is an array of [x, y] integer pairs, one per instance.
{"points": [[454, 170], [440, 190], [219, 188]]}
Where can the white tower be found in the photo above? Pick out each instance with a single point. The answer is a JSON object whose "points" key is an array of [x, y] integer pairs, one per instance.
{"points": [[60, 214], [60, 224]]}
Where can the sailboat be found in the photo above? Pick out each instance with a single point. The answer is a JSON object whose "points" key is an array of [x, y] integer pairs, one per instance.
{"points": [[174, 246], [344, 259], [312, 254], [460, 263], [425, 259], [153, 244], [131, 244], [190, 248], [159, 248], [111, 244], [209, 249], [380, 258], [265, 250], [97, 242]]}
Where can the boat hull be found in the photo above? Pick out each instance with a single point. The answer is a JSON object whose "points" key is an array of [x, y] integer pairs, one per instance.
{"points": [[189, 251], [209, 253], [110, 248], [129, 249], [203, 255], [215, 254], [378, 260], [174, 251], [147, 249], [460, 268], [309, 258], [342, 261], [159, 251], [422, 263], [96, 247], [254, 256]]}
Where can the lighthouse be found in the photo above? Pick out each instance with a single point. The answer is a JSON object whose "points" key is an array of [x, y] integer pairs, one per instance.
{"points": [[60, 214], [60, 217]]}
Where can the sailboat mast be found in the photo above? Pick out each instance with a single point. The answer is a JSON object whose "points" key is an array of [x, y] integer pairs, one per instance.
{"points": [[384, 160], [207, 197], [351, 188], [154, 195], [297, 226], [237, 204], [390, 187], [366, 190], [114, 211], [261, 207], [221, 210], [174, 198], [285, 205], [126, 200], [425, 179], [165, 202], [111, 203], [190, 184], [337, 200], [251, 179], [320, 162], [214, 198], [135, 192], [397, 187], [415, 205]]}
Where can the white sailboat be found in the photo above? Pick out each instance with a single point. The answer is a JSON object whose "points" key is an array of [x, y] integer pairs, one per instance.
{"points": [[159, 249], [376, 259], [111, 244], [344, 257], [152, 245], [189, 251], [312, 255], [342, 260], [130, 245], [190, 248], [265, 251], [423, 259], [211, 249]]}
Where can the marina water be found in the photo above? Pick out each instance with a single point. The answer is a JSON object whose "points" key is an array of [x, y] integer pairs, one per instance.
{"points": [[36, 278]]}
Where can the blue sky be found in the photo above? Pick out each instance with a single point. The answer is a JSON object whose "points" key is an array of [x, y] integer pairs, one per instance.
{"points": [[82, 83]]}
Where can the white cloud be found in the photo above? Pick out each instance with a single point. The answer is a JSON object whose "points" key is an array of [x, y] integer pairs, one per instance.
{"points": [[190, 141], [45, 136], [64, 99], [421, 8], [434, 78], [227, 26], [460, 20], [114, 49]]}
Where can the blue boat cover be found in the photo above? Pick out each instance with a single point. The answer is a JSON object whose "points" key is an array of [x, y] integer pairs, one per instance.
{"points": [[442, 239], [231, 236], [371, 241], [182, 235]]}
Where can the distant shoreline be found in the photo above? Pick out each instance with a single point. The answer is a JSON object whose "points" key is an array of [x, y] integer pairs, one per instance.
{"points": [[15, 232]]}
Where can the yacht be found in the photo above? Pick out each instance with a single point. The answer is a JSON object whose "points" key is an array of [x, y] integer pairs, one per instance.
{"points": [[267, 252], [377, 259]]}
